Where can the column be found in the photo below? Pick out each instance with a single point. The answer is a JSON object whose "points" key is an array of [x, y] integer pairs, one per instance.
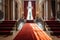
{"points": [[13, 9], [46, 10]]}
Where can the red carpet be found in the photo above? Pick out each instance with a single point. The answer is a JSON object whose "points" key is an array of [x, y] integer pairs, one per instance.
{"points": [[30, 31]]}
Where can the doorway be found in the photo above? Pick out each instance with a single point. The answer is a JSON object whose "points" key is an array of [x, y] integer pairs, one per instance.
{"points": [[33, 10]]}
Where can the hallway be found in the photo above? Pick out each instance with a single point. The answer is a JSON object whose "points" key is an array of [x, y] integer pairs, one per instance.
{"points": [[29, 19]]}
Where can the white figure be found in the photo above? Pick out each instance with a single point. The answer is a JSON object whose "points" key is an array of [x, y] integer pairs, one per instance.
{"points": [[29, 15]]}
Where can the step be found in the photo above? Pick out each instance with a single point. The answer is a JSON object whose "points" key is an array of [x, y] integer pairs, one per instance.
{"points": [[29, 21], [55, 33], [11, 22], [6, 25], [6, 33], [6, 28], [53, 22], [54, 29], [53, 25]]}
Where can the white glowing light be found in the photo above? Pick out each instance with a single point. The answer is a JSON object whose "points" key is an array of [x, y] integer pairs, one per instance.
{"points": [[29, 15]]}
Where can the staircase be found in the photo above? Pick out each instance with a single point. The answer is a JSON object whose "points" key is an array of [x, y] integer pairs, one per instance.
{"points": [[6, 27], [54, 26], [29, 21]]}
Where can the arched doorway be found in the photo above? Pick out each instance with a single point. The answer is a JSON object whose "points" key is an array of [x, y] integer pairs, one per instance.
{"points": [[33, 10]]}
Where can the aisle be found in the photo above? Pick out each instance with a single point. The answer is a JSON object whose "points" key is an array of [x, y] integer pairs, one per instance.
{"points": [[30, 31]]}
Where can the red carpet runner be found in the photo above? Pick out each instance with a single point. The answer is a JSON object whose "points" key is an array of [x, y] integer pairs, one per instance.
{"points": [[30, 31]]}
